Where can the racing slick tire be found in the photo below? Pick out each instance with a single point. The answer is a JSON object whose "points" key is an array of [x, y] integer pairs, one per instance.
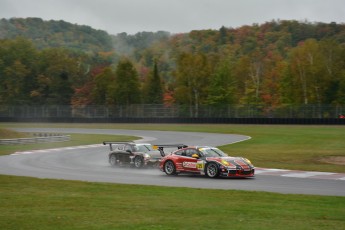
{"points": [[113, 160], [138, 162], [212, 170], [169, 168]]}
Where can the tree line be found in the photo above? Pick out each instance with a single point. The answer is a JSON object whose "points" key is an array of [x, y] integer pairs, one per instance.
{"points": [[272, 64]]}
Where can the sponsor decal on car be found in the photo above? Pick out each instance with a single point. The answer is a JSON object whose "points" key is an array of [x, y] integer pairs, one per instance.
{"points": [[200, 165], [187, 164]]}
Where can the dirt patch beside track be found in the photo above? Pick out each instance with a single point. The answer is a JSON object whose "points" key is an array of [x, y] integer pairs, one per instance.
{"points": [[336, 160]]}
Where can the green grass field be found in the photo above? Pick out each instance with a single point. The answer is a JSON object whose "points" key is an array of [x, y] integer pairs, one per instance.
{"points": [[56, 204], [29, 203]]}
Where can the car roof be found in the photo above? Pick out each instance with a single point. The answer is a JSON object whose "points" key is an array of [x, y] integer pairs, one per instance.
{"points": [[126, 143], [199, 146]]}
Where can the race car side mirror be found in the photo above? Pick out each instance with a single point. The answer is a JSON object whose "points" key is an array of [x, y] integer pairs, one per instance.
{"points": [[195, 155], [128, 151]]}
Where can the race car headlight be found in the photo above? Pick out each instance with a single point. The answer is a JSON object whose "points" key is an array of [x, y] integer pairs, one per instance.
{"points": [[225, 163], [248, 161], [146, 155]]}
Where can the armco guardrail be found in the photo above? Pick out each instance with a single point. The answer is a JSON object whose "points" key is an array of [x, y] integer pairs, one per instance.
{"points": [[33, 140]]}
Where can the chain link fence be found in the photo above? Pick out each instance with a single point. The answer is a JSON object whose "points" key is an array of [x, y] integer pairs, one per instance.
{"points": [[176, 111]]}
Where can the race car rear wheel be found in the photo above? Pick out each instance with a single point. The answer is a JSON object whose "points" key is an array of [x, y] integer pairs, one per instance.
{"points": [[138, 162], [212, 170], [113, 160], [169, 168]]}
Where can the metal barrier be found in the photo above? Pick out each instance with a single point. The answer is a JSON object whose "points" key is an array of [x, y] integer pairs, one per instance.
{"points": [[34, 140]]}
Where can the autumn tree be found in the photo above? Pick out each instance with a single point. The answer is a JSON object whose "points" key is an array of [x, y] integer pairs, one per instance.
{"points": [[307, 71], [57, 69], [192, 80], [17, 71], [248, 74], [272, 64], [333, 59], [222, 85], [270, 93]]}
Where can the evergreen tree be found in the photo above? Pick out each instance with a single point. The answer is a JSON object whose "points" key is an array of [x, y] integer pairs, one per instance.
{"points": [[127, 84], [104, 84], [153, 91]]}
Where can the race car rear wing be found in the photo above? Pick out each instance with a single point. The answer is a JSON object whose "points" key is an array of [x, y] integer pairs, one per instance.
{"points": [[111, 143], [161, 147]]}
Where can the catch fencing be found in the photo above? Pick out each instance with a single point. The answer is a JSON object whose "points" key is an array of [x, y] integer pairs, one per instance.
{"points": [[180, 113]]}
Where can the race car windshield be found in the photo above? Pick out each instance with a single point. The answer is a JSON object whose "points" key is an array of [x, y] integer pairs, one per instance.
{"points": [[143, 148], [212, 152]]}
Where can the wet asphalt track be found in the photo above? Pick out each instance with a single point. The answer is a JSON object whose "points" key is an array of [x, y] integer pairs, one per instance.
{"points": [[90, 163]]}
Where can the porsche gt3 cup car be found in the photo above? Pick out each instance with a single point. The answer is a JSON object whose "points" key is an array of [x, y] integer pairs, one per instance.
{"points": [[133, 154], [205, 160]]}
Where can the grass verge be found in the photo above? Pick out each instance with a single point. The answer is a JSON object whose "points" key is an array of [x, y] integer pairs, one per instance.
{"points": [[28, 203]]}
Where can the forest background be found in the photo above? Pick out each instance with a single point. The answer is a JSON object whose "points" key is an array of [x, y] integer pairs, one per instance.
{"points": [[281, 62]]}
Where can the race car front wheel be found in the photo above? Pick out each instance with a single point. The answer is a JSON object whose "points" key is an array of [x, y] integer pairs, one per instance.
{"points": [[169, 168], [112, 160], [138, 162], [212, 170]]}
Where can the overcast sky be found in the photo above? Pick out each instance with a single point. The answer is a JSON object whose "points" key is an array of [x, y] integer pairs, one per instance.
{"points": [[175, 16]]}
